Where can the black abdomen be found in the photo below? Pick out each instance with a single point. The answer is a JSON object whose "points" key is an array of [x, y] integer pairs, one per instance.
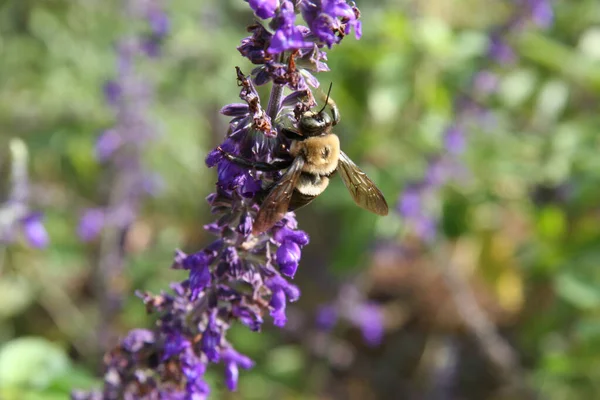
{"points": [[299, 200]]}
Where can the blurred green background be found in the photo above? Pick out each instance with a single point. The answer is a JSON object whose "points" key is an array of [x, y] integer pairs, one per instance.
{"points": [[521, 228]]}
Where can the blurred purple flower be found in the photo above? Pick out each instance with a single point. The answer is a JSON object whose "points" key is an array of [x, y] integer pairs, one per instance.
{"points": [[34, 230], [454, 139], [410, 201], [112, 92], [107, 143], [541, 12], [90, 224], [158, 21], [485, 82], [414, 202], [351, 306], [369, 318], [499, 50], [15, 212], [327, 317]]}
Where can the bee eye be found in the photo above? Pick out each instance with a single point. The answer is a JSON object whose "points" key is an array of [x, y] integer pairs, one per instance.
{"points": [[325, 152]]}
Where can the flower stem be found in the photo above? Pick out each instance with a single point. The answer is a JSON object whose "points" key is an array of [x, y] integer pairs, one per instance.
{"points": [[275, 97], [274, 101]]}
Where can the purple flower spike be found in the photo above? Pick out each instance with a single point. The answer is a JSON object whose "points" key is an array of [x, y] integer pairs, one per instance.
{"points": [[34, 230], [240, 276]]}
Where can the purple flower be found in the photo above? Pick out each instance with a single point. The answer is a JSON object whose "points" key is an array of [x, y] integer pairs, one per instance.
{"points": [[500, 51], [351, 306], [233, 360], [485, 82], [137, 339], [541, 12], [264, 8], [327, 317], [158, 21], [90, 224], [282, 291], [287, 36], [175, 344], [107, 143], [34, 230], [211, 340], [454, 139], [200, 277], [370, 320], [329, 19], [288, 257], [112, 92]]}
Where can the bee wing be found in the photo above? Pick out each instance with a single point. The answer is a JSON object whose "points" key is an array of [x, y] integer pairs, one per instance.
{"points": [[276, 204], [363, 190]]}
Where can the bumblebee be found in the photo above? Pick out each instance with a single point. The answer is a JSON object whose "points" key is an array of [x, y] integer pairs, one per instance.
{"points": [[316, 156]]}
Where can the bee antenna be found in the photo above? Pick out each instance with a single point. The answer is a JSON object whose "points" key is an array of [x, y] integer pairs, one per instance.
{"points": [[327, 99]]}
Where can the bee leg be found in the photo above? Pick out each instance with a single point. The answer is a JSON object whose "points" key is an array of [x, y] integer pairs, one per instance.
{"points": [[259, 166]]}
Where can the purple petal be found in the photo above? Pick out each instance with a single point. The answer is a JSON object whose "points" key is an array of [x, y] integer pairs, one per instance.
{"points": [[235, 110], [278, 304], [200, 279], [288, 257], [296, 236], [264, 8]]}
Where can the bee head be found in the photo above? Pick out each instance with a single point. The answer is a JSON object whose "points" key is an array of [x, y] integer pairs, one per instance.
{"points": [[315, 124]]}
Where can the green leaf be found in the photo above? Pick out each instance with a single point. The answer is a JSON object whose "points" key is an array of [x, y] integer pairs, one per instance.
{"points": [[455, 215], [576, 291], [551, 223], [17, 294], [31, 362], [285, 361]]}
